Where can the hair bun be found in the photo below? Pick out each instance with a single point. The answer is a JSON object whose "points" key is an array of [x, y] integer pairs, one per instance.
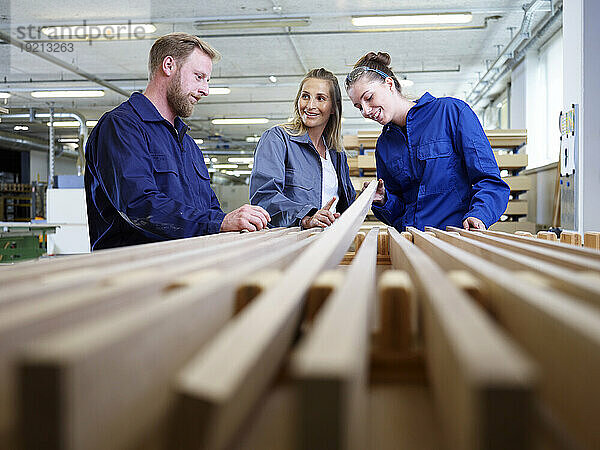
{"points": [[379, 57]]}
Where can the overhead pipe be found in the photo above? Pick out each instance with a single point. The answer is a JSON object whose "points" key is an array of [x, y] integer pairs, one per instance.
{"points": [[522, 35], [22, 144], [51, 150], [22, 45], [520, 54], [83, 129]]}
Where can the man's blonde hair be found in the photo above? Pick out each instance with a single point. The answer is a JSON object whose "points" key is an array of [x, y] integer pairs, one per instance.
{"points": [[179, 46]]}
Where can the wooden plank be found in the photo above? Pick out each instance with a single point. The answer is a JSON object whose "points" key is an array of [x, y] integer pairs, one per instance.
{"points": [[213, 397], [398, 316], [514, 227], [529, 240], [383, 246], [465, 346], [91, 276], [367, 161], [569, 261], [591, 239], [358, 182], [114, 374], [560, 278], [330, 365], [570, 238], [518, 183], [48, 266], [320, 290], [559, 332], [506, 138], [350, 142], [547, 235], [253, 285], [516, 208], [511, 160], [472, 286]]}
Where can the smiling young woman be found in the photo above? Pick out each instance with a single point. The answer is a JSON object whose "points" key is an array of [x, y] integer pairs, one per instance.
{"points": [[434, 161], [300, 168]]}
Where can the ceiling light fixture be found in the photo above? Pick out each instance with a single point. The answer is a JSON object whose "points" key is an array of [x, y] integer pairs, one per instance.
{"points": [[67, 94], [252, 138], [199, 142], [225, 166], [21, 128], [99, 32], [275, 22], [241, 160], [4, 94], [273, 79], [246, 121], [68, 140], [412, 19], [406, 83], [73, 123], [218, 90]]}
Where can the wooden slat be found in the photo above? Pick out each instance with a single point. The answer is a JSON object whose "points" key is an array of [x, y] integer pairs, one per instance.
{"points": [[367, 161], [120, 367], [584, 252], [562, 279], [91, 276], [214, 397], [511, 160], [559, 332], [591, 239], [571, 238], [398, 310], [516, 208], [518, 183], [321, 289], [330, 365], [506, 138], [514, 227], [566, 260], [474, 368]]}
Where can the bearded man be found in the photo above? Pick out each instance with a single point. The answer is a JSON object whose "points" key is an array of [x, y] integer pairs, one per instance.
{"points": [[145, 177]]}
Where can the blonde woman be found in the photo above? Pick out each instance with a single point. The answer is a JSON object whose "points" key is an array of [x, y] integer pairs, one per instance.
{"points": [[300, 174]]}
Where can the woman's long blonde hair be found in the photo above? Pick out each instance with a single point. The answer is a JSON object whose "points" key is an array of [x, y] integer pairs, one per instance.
{"points": [[333, 130]]}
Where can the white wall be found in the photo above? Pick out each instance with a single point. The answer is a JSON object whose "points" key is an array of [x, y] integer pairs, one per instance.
{"points": [[582, 86], [38, 161]]}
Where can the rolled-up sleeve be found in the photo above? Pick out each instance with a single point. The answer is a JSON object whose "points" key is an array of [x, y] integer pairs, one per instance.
{"points": [[489, 193], [123, 168], [267, 182]]}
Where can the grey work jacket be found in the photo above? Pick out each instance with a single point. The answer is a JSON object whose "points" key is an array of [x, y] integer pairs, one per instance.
{"points": [[287, 177]]}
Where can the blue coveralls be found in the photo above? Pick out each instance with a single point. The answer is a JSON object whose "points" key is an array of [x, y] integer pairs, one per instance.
{"points": [[439, 169], [145, 179]]}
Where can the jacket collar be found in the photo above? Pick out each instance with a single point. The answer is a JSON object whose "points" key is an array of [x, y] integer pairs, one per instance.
{"points": [[303, 138], [425, 99], [148, 112]]}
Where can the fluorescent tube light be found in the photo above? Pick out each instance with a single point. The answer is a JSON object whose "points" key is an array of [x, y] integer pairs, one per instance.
{"points": [[225, 166], [4, 94], [68, 140], [21, 128], [275, 22], [67, 94], [199, 142], [412, 19], [72, 123], [252, 138], [247, 121], [241, 160], [102, 32], [218, 90]]}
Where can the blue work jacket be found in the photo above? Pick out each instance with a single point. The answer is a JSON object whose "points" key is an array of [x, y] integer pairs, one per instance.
{"points": [[145, 179], [439, 169], [287, 177]]}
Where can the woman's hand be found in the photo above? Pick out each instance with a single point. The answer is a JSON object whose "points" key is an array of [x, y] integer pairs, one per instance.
{"points": [[473, 223], [322, 218], [380, 197]]}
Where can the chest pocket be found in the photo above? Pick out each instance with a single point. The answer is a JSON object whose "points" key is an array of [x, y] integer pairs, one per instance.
{"points": [[201, 170], [440, 161], [297, 180], [165, 173]]}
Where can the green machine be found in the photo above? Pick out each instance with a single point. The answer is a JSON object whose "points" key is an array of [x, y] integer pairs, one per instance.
{"points": [[23, 240]]}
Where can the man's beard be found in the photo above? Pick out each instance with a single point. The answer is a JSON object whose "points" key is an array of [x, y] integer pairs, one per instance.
{"points": [[177, 99]]}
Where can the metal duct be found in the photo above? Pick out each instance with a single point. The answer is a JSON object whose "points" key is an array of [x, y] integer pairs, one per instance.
{"points": [[19, 143]]}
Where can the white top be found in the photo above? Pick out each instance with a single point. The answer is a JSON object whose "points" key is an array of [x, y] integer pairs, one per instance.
{"points": [[330, 182]]}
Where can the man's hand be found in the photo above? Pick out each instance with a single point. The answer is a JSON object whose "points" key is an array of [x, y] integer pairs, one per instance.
{"points": [[322, 218], [380, 197], [247, 217], [473, 223]]}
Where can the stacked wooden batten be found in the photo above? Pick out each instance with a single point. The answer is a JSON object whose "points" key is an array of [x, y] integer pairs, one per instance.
{"points": [[285, 339], [506, 145]]}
